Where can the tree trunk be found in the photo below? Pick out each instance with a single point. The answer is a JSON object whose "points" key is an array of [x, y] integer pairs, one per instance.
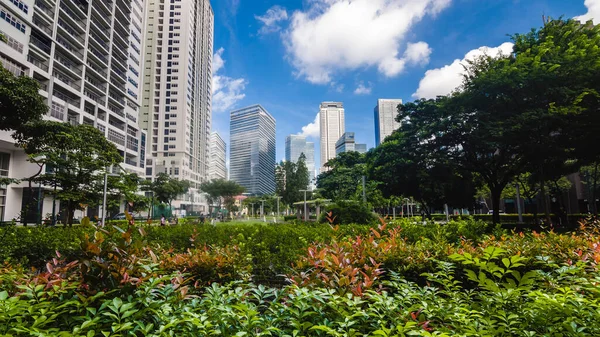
{"points": [[546, 204], [496, 193], [70, 213]]}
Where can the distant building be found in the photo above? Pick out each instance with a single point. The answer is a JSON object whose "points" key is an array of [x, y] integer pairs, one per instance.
{"points": [[385, 118], [252, 150], [332, 123], [217, 166], [295, 145], [347, 143], [360, 148]]}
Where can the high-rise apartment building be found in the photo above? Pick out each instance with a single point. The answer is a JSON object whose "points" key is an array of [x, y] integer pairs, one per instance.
{"points": [[252, 150], [332, 123], [217, 166], [177, 97], [386, 111], [86, 56], [295, 145]]}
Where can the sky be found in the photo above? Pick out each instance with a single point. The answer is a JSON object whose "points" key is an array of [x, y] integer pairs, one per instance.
{"points": [[290, 55]]}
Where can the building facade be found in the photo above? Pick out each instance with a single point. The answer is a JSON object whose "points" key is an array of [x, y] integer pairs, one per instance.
{"points": [[347, 143], [332, 124], [86, 56], [295, 145], [252, 150], [176, 102], [217, 166], [386, 111]]}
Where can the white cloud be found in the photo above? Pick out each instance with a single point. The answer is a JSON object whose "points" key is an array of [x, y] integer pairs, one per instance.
{"points": [[227, 91], [312, 130], [443, 81], [334, 35], [593, 12], [362, 89], [271, 19], [337, 87]]}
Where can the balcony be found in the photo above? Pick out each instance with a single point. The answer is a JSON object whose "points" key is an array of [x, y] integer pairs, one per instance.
{"points": [[71, 33], [69, 49], [65, 97], [98, 55], [79, 8], [102, 30], [99, 41], [104, 8], [116, 137], [42, 46], [116, 110], [42, 65], [66, 79], [96, 84], [99, 71], [118, 99], [45, 9], [63, 62], [94, 97], [42, 25], [74, 18]]}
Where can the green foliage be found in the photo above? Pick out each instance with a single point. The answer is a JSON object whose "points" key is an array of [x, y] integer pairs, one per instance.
{"points": [[291, 178], [348, 212], [20, 101], [75, 158], [167, 189], [221, 191], [342, 181]]}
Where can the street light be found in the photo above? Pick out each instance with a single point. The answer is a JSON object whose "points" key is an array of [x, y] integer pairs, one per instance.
{"points": [[252, 204], [262, 211], [305, 211]]}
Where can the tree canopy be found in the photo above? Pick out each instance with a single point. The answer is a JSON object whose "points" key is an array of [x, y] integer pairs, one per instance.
{"points": [[291, 178], [222, 192], [20, 101]]}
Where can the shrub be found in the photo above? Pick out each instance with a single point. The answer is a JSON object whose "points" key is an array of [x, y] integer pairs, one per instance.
{"points": [[348, 212]]}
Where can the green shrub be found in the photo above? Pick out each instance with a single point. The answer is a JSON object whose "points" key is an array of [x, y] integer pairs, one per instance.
{"points": [[348, 212]]}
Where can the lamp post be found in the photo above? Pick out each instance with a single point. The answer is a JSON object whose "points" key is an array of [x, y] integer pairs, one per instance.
{"points": [[252, 204], [262, 211], [305, 211], [519, 209]]}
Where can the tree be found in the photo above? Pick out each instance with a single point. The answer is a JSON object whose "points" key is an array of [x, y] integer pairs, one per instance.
{"points": [[221, 191], [166, 189], [342, 180], [20, 101], [291, 178], [412, 162], [75, 158]]}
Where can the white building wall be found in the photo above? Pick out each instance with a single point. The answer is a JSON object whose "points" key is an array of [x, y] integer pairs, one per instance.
{"points": [[333, 126]]}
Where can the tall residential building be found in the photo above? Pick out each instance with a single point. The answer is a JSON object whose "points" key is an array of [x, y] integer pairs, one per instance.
{"points": [[217, 167], [252, 150], [177, 97], [86, 57], [332, 125], [295, 145], [386, 111]]}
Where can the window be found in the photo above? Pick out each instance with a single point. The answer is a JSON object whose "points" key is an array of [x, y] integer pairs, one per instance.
{"points": [[22, 7], [12, 20]]}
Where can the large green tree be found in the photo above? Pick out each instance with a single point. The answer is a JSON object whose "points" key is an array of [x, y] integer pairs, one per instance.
{"points": [[74, 157], [20, 101], [222, 192], [291, 178], [165, 188]]}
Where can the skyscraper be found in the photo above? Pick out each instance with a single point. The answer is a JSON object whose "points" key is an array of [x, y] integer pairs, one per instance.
{"points": [[331, 117], [86, 56], [177, 96], [252, 150], [346, 143], [295, 145], [217, 166], [386, 111]]}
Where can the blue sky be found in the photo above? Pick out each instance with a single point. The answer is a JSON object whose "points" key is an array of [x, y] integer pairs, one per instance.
{"points": [[290, 55]]}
